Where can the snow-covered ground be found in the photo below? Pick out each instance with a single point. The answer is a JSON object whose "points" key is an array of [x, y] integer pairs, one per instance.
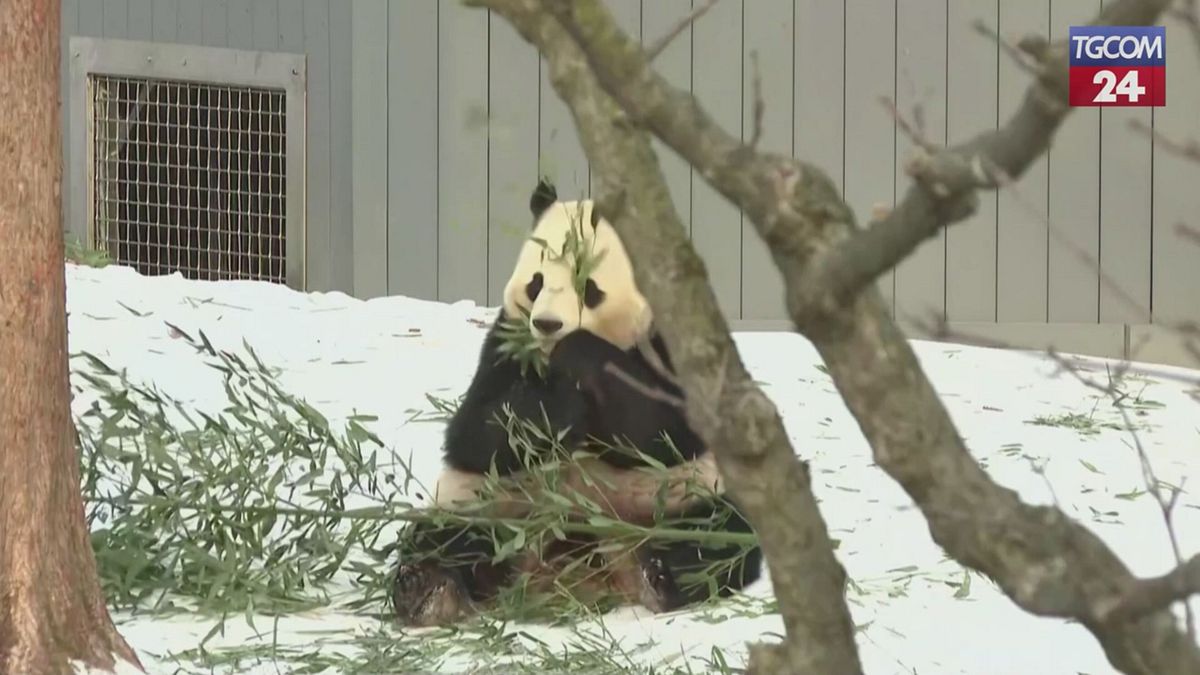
{"points": [[383, 356]]}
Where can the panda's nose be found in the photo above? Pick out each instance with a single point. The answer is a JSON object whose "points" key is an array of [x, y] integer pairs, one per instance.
{"points": [[547, 326]]}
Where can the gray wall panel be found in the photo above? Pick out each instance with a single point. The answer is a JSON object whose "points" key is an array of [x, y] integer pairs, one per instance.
{"points": [[628, 14], [291, 28], [768, 31], [370, 99], [214, 22], [265, 19], [921, 100], [717, 83], [818, 117], [165, 21], [462, 153], [68, 26], [116, 18], [971, 83], [561, 156], [315, 19], [1022, 228], [140, 19], [412, 145], [1074, 160], [239, 19], [1176, 200], [1125, 194], [191, 23], [91, 18], [341, 205], [512, 149], [674, 64], [870, 135]]}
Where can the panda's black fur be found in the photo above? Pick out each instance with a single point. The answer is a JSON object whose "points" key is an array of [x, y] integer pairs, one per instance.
{"points": [[577, 394]]}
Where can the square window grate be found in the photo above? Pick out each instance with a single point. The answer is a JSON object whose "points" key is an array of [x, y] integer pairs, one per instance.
{"points": [[189, 177]]}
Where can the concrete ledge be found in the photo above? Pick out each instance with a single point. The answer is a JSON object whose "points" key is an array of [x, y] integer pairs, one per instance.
{"points": [[1158, 344], [1145, 343]]}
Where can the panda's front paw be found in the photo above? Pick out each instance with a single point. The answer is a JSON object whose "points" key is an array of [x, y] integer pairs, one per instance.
{"points": [[582, 354], [425, 594], [658, 590]]}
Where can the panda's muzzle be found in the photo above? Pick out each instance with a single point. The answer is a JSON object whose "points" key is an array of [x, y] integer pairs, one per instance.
{"points": [[547, 326]]}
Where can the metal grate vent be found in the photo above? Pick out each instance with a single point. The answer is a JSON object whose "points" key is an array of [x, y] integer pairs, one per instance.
{"points": [[189, 177]]}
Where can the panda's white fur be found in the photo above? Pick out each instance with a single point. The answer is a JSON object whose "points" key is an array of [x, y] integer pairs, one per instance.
{"points": [[624, 318]]}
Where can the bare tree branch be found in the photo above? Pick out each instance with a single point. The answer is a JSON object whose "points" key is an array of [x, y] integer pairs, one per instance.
{"points": [[663, 42], [1047, 563], [1188, 148], [1189, 232], [1152, 595], [1189, 14], [1018, 54], [648, 392], [913, 130], [771, 485], [760, 107]]}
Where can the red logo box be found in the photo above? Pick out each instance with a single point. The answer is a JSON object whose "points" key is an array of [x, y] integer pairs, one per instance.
{"points": [[1118, 66]]}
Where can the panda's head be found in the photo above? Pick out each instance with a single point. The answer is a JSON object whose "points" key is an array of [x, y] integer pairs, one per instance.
{"points": [[573, 273]]}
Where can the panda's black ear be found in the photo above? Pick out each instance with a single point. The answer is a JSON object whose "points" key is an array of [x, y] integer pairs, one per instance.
{"points": [[596, 215], [543, 196]]}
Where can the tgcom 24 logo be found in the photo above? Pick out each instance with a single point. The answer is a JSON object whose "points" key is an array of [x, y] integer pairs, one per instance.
{"points": [[1118, 66]]}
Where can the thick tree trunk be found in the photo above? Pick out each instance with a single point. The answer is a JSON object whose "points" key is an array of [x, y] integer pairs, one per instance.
{"points": [[52, 612]]}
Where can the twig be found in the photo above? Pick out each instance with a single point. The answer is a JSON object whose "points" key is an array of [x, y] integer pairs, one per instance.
{"points": [[1188, 149], [1188, 232], [1018, 55], [1189, 14], [647, 351], [1151, 595], [661, 44], [759, 105], [1078, 251], [1188, 331], [1166, 504], [910, 129], [648, 392]]}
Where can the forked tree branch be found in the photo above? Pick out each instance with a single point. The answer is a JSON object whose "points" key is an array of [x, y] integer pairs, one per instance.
{"points": [[1047, 563], [727, 410]]}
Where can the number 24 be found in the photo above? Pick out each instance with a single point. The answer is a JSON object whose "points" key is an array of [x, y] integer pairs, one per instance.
{"points": [[1128, 87]]}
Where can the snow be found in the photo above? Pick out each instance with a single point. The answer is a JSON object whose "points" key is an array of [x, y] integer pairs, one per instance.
{"points": [[384, 355]]}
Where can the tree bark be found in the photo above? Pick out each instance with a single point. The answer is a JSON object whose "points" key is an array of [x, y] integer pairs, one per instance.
{"points": [[52, 613]]}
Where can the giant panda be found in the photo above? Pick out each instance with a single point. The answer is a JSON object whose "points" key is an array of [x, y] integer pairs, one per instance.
{"points": [[590, 333]]}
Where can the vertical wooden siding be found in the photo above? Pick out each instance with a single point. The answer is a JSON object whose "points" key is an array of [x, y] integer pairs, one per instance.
{"points": [[319, 28], [429, 123]]}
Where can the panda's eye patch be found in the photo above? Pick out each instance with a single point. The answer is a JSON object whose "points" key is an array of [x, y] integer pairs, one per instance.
{"points": [[592, 295], [534, 286]]}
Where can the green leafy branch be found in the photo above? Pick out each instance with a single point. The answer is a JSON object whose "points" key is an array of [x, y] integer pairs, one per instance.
{"points": [[262, 506]]}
